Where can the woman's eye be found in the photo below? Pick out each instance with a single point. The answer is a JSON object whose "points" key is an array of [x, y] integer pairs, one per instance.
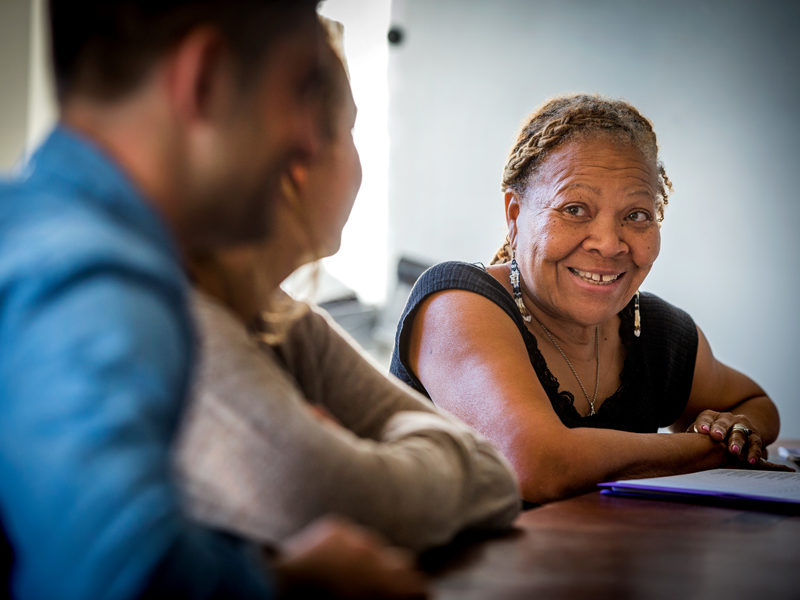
{"points": [[638, 216], [575, 210]]}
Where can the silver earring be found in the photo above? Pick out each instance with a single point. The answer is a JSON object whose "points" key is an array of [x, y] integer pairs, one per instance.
{"points": [[514, 277], [637, 318]]}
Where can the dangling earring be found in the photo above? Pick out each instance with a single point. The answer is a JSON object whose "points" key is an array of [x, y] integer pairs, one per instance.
{"points": [[637, 318], [514, 277]]}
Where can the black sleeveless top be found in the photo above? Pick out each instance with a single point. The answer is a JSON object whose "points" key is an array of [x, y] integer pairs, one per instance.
{"points": [[656, 377]]}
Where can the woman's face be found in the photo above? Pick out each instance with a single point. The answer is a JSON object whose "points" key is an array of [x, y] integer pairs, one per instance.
{"points": [[329, 184], [585, 232]]}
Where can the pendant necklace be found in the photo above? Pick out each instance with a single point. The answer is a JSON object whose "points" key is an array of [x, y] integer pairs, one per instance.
{"points": [[526, 315], [580, 383]]}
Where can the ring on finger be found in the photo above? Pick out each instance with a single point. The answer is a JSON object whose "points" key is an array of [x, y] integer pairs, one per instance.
{"points": [[739, 427]]}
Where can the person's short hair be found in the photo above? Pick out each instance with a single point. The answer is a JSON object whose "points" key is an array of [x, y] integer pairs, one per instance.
{"points": [[105, 48]]}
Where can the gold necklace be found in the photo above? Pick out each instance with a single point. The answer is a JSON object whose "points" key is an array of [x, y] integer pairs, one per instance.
{"points": [[526, 315], [580, 383]]}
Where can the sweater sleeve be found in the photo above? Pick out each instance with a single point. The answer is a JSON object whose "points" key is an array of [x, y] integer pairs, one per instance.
{"points": [[395, 465]]}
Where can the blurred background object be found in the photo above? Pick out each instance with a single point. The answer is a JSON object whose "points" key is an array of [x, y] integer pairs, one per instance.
{"points": [[441, 88]]}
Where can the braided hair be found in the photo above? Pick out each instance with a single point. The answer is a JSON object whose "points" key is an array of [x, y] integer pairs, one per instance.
{"points": [[578, 116]]}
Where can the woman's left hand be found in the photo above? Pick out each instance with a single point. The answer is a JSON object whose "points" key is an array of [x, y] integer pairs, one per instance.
{"points": [[743, 439]]}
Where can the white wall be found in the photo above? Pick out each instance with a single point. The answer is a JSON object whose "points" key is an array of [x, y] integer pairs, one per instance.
{"points": [[14, 59], [360, 263], [27, 99], [42, 107], [718, 78]]}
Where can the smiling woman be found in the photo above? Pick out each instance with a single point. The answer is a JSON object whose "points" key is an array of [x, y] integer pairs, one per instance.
{"points": [[558, 316], [588, 232]]}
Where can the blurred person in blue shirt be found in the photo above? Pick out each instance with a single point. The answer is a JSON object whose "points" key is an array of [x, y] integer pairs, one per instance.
{"points": [[176, 120]]}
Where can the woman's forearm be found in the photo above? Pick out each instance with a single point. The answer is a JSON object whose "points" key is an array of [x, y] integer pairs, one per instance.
{"points": [[587, 457], [655, 455]]}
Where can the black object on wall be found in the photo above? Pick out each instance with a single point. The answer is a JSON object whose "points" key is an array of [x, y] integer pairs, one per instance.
{"points": [[395, 36]]}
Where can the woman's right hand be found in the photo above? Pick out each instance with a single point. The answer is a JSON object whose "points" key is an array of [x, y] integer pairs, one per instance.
{"points": [[744, 449], [334, 556], [736, 431]]}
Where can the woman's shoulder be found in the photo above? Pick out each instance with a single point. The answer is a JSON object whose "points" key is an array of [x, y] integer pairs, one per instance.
{"points": [[234, 370], [216, 323], [225, 338], [452, 273], [443, 277], [456, 275]]}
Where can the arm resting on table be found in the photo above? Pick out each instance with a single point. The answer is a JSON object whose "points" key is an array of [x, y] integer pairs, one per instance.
{"points": [[395, 464], [472, 360]]}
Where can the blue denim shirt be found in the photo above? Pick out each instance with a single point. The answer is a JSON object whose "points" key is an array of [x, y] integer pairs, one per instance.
{"points": [[95, 355]]}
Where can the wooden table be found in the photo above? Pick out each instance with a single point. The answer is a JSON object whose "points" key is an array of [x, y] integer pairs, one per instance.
{"points": [[595, 546]]}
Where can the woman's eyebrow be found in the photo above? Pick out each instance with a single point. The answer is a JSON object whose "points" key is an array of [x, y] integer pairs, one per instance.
{"points": [[568, 186]]}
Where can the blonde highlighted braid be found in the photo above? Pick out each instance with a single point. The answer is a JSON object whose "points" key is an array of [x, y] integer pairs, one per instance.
{"points": [[578, 116]]}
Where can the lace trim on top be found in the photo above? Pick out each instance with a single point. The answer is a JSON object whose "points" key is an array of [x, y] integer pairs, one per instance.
{"points": [[564, 401]]}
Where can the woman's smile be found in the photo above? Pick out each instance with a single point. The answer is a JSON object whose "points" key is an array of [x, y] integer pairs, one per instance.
{"points": [[595, 277], [608, 286]]}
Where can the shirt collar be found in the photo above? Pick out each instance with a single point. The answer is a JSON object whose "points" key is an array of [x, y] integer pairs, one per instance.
{"points": [[80, 163]]}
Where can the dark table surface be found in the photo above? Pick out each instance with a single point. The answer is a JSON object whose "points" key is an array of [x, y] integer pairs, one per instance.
{"points": [[596, 546]]}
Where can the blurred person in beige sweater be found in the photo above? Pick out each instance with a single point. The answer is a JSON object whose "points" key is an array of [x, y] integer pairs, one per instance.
{"points": [[290, 421]]}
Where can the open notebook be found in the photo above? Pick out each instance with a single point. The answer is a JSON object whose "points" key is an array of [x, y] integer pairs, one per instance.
{"points": [[741, 487]]}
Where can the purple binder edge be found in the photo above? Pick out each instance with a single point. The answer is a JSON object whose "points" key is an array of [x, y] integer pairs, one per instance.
{"points": [[689, 492]]}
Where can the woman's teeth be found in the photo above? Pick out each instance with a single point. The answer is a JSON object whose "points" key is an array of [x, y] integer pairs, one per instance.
{"points": [[595, 278]]}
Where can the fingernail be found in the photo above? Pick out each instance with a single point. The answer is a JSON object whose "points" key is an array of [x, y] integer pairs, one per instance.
{"points": [[704, 428], [752, 461], [718, 432], [735, 449]]}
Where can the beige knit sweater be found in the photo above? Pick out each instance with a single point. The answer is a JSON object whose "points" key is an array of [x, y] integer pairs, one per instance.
{"points": [[253, 459]]}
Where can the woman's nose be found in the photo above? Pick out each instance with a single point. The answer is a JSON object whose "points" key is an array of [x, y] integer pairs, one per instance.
{"points": [[606, 238]]}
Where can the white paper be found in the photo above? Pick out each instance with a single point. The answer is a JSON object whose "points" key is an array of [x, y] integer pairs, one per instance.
{"points": [[765, 485]]}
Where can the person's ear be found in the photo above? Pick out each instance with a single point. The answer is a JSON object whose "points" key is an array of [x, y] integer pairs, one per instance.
{"points": [[198, 74], [298, 173], [512, 202]]}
